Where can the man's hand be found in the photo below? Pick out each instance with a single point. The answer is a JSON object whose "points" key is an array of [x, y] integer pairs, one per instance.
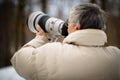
{"points": [[40, 31]]}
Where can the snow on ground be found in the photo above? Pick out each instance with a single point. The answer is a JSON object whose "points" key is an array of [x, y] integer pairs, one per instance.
{"points": [[9, 73]]}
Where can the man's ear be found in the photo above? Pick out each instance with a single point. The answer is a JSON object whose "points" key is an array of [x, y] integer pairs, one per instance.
{"points": [[77, 27]]}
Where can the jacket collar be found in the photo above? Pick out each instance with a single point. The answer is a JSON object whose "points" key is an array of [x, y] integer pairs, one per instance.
{"points": [[87, 37]]}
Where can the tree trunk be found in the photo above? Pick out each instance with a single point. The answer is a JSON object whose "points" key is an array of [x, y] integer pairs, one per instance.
{"points": [[93, 1], [20, 25], [6, 9], [44, 5], [103, 4]]}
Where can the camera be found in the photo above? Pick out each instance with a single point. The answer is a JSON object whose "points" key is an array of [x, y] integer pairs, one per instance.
{"points": [[51, 25]]}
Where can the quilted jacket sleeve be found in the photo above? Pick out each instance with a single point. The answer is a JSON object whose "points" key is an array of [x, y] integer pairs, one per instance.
{"points": [[23, 60]]}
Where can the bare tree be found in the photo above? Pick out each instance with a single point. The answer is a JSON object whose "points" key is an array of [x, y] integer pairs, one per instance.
{"points": [[93, 1], [20, 24], [6, 9], [44, 5]]}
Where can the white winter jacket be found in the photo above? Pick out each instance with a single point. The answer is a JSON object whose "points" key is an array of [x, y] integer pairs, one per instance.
{"points": [[81, 56]]}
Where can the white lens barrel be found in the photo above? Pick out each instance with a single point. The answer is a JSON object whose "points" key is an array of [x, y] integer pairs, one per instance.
{"points": [[51, 25], [58, 26], [33, 20], [54, 25]]}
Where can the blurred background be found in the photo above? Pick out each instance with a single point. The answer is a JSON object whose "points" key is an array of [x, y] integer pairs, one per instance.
{"points": [[13, 14]]}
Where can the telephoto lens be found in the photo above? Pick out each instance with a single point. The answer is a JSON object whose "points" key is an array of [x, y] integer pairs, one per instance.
{"points": [[49, 24]]}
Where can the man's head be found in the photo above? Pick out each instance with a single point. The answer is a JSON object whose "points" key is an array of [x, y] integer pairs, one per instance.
{"points": [[86, 16]]}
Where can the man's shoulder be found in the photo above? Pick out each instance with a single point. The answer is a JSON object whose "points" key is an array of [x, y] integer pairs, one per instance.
{"points": [[56, 44], [49, 47], [114, 49], [51, 44]]}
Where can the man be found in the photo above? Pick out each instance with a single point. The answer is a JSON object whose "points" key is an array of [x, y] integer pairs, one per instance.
{"points": [[81, 56]]}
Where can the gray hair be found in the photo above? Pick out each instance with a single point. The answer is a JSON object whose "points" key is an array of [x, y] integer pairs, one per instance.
{"points": [[87, 15]]}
